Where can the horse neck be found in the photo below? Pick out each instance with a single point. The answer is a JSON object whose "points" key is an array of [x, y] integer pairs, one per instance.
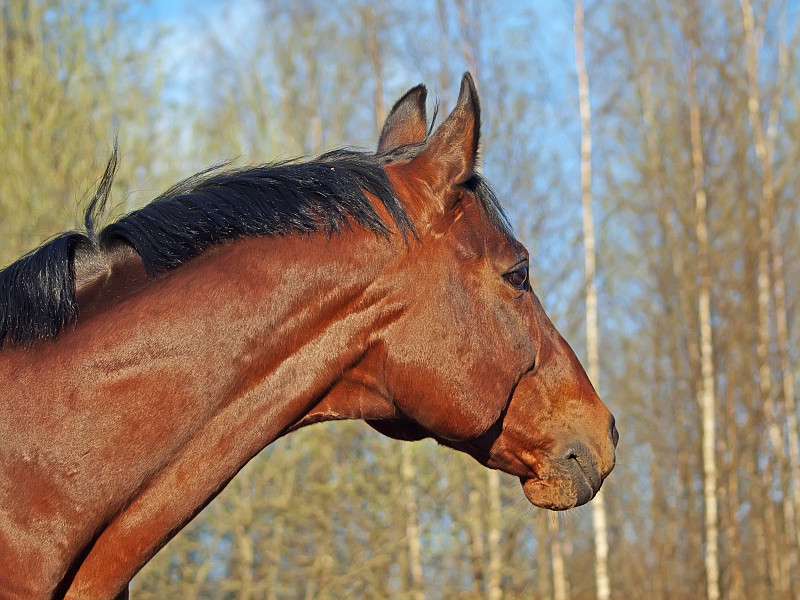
{"points": [[218, 358], [181, 383], [272, 323]]}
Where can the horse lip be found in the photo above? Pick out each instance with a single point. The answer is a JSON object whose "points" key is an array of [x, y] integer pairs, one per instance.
{"points": [[583, 480], [529, 488]]}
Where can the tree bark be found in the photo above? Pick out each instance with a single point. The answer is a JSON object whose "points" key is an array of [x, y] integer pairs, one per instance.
{"points": [[780, 562], [376, 61], [599, 520], [706, 388], [769, 241], [476, 541], [560, 587], [412, 525], [494, 591]]}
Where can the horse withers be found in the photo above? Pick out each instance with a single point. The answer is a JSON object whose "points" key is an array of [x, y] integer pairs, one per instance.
{"points": [[142, 365]]}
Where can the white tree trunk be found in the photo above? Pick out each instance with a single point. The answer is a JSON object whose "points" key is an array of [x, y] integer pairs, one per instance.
{"points": [[599, 521], [769, 240], [412, 525], [560, 588], [707, 391], [494, 590]]}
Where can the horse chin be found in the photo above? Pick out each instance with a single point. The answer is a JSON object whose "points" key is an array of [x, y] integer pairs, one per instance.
{"points": [[557, 494]]}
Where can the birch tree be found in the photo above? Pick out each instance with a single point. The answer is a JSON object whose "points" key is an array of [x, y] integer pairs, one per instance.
{"points": [[57, 118], [560, 584], [763, 147], [706, 386], [602, 582]]}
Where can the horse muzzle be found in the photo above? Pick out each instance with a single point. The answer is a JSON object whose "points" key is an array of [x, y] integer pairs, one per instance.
{"points": [[571, 476]]}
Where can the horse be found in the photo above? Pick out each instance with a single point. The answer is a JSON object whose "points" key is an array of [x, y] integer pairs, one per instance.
{"points": [[142, 365]]}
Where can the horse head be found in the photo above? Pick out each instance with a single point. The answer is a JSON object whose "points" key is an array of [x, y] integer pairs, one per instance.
{"points": [[473, 361]]}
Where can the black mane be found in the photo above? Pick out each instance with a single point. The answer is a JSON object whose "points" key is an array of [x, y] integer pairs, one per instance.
{"points": [[37, 293]]}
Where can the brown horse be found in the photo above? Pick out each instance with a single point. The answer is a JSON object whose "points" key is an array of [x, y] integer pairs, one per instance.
{"points": [[142, 366]]}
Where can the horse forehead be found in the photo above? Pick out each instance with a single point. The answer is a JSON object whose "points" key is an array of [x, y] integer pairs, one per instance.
{"points": [[475, 233]]}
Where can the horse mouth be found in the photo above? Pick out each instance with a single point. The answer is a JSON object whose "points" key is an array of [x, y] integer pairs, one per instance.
{"points": [[576, 484], [556, 479], [556, 495]]}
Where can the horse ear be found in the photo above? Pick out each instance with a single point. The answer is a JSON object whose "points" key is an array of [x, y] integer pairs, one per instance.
{"points": [[406, 123], [451, 155]]}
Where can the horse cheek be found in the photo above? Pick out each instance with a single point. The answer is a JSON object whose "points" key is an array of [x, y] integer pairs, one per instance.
{"points": [[434, 379]]}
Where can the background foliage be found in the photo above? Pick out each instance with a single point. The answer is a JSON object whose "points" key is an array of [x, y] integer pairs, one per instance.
{"points": [[274, 79]]}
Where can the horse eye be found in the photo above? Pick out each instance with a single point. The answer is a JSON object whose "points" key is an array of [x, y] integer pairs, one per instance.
{"points": [[518, 278]]}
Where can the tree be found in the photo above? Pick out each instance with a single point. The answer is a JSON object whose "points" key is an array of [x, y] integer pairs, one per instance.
{"points": [[592, 338], [57, 79], [769, 242]]}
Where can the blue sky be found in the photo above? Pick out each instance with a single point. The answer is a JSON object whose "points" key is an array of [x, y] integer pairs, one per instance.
{"points": [[534, 39], [550, 44]]}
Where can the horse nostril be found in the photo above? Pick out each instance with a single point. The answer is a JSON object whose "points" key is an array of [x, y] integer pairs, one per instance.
{"points": [[575, 452], [614, 433], [579, 461]]}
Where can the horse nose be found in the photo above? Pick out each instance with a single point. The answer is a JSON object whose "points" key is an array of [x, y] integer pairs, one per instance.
{"points": [[614, 433], [579, 461]]}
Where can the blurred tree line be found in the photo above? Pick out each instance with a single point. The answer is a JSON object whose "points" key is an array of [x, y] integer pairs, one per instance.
{"points": [[690, 100]]}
